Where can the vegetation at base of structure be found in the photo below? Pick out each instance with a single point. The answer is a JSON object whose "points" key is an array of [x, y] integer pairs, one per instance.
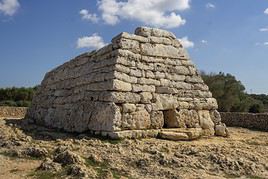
{"points": [[231, 96], [19, 97], [101, 168], [48, 174], [10, 155]]}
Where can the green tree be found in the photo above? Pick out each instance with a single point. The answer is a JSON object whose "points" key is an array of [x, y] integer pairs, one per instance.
{"points": [[230, 93]]}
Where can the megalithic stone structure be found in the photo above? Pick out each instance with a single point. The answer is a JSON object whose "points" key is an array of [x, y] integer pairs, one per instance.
{"points": [[140, 85]]}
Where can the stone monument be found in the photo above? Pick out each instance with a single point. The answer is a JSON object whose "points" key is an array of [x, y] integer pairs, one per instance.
{"points": [[140, 85]]}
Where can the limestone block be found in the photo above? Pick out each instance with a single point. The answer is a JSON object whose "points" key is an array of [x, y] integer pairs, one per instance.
{"points": [[143, 31], [205, 103], [142, 119], [190, 117], [183, 54], [128, 107], [159, 50], [126, 35], [148, 81], [136, 120], [192, 133], [164, 102], [160, 67], [206, 123], [126, 62], [200, 86], [182, 70], [157, 119], [194, 79], [159, 75], [135, 72], [193, 70], [146, 97], [121, 86], [124, 77], [175, 136], [149, 74], [142, 88], [176, 43], [221, 130], [105, 117], [160, 40], [146, 32], [122, 68], [166, 90], [165, 82], [122, 97], [144, 66], [181, 85], [127, 54], [215, 117], [128, 44], [183, 105], [175, 77]]}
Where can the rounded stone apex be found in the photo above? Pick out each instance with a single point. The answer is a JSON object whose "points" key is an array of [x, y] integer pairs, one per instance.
{"points": [[147, 31]]}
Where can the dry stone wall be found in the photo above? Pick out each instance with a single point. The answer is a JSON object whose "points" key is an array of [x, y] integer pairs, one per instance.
{"points": [[133, 87], [247, 120]]}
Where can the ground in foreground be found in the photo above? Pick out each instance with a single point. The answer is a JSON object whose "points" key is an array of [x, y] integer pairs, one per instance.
{"points": [[30, 151]]}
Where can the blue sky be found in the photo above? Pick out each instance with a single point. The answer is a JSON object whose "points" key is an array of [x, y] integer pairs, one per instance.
{"points": [[222, 35]]}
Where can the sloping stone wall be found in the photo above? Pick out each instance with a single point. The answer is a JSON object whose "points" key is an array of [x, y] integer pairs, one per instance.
{"points": [[141, 81], [246, 120], [17, 112]]}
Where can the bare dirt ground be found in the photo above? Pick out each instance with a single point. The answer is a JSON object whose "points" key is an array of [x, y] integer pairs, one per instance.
{"points": [[30, 151]]}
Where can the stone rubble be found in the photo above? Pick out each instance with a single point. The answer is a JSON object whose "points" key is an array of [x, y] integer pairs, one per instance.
{"points": [[134, 87]]}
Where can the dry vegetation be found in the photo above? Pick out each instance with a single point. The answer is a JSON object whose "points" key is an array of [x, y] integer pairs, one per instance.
{"points": [[30, 151]]}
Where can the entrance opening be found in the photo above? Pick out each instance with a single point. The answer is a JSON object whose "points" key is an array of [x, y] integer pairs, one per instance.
{"points": [[171, 118]]}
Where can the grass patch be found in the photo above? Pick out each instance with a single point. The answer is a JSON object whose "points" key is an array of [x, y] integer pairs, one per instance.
{"points": [[40, 174], [43, 175], [14, 155], [255, 177], [11, 155], [14, 170], [230, 175], [101, 168]]}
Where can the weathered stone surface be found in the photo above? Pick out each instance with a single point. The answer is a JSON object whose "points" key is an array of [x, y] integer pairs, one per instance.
{"points": [[173, 119], [129, 107], [138, 82], [206, 123], [157, 120], [146, 97], [221, 130], [173, 135]]}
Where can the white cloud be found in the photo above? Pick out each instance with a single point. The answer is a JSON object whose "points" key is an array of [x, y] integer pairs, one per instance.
{"points": [[93, 42], [158, 13], [265, 29], [186, 43], [266, 11], [210, 6], [204, 41], [9, 7], [262, 44], [87, 16]]}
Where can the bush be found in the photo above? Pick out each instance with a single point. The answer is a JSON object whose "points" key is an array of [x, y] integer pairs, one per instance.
{"points": [[230, 94], [8, 103], [23, 103], [20, 97]]}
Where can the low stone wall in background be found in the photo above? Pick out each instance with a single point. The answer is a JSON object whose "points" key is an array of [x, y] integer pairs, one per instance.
{"points": [[246, 120], [17, 112]]}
